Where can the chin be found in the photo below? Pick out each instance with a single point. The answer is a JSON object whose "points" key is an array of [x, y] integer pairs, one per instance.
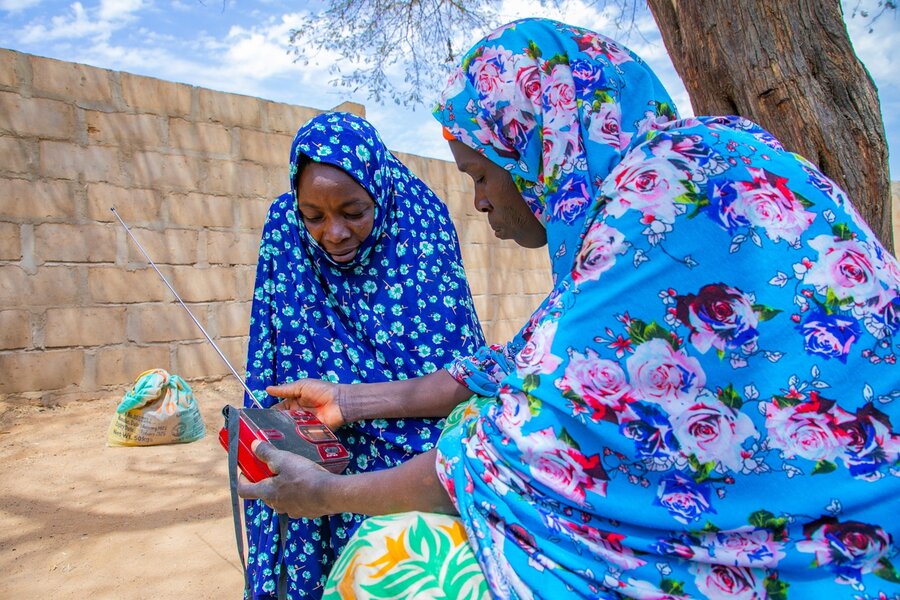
{"points": [[532, 242]]}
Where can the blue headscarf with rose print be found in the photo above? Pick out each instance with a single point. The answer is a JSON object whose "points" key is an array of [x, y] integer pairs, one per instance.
{"points": [[551, 115], [707, 403], [401, 308]]}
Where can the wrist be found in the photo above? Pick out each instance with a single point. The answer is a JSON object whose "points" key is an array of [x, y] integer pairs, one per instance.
{"points": [[323, 492], [349, 409]]}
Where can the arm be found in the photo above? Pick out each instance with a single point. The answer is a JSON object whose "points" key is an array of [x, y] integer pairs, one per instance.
{"points": [[301, 488], [432, 395]]}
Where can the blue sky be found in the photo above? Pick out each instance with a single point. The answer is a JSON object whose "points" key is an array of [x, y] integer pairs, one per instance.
{"points": [[241, 46]]}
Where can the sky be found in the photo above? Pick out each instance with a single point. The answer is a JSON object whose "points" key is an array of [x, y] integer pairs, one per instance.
{"points": [[241, 46]]}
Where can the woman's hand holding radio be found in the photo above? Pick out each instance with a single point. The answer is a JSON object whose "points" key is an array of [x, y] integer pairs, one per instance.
{"points": [[301, 488], [296, 488], [322, 398]]}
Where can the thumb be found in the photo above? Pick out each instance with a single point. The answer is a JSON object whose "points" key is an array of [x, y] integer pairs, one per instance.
{"points": [[269, 454]]}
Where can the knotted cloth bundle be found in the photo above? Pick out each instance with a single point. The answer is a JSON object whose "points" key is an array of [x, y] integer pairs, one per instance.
{"points": [[158, 409]]}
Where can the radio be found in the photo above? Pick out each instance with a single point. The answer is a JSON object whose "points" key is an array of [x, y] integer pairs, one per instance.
{"points": [[295, 431]]}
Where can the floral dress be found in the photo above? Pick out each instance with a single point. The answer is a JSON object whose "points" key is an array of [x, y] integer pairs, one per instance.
{"points": [[707, 403], [402, 308]]}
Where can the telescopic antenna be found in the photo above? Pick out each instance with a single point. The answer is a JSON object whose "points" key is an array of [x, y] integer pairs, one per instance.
{"points": [[193, 318]]}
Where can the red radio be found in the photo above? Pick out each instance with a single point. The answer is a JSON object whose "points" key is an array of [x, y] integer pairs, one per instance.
{"points": [[296, 431]]}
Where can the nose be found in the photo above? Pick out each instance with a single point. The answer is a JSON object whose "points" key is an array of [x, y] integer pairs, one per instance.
{"points": [[482, 204], [336, 231]]}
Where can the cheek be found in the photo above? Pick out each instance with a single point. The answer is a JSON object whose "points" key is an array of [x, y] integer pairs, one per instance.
{"points": [[362, 229], [315, 230]]}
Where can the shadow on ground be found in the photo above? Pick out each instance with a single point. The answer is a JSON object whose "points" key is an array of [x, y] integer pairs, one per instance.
{"points": [[81, 520]]}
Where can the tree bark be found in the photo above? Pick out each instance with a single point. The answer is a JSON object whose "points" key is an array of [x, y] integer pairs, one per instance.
{"points": [[789, 66]]}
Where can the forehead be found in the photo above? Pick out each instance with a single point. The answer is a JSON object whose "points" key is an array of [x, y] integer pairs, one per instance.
{"points": [[467, 158], [319, 183]]}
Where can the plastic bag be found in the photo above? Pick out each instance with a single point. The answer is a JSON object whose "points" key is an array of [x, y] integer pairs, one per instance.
{"points": [[158, 409]]}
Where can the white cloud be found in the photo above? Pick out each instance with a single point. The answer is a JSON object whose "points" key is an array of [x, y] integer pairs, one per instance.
{"points": [[14, 6], [260, 52], [112, 10], [111, 15], [75, 25]]}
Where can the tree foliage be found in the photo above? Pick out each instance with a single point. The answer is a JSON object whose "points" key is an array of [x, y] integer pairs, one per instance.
{"points": [[401, 51], [396, 50], [802, 61]]}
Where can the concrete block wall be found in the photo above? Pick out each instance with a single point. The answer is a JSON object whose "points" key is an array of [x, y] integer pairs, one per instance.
{"points": [[192, 171], [507, 281]]}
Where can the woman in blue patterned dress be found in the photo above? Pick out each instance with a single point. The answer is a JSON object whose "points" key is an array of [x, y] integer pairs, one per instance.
{"points": [[359, 280], [706, 404]]}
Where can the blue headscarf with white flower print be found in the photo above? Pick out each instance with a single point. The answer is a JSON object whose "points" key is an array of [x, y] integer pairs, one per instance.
{"points": [[402, 308], [707, 405]]}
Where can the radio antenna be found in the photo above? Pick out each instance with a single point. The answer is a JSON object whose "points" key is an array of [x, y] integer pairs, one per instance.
{"points": [[193, 318]]}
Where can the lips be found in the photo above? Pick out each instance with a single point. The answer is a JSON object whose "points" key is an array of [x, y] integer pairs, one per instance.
{"points": [[343, 255]]}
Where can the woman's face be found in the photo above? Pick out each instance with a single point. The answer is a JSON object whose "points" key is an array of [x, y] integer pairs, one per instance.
{"points": [[338, 212], [496, 194]]}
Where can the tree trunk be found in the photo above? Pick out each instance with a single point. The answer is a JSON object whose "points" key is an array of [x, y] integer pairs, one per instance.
{"points": [[789, 66]]}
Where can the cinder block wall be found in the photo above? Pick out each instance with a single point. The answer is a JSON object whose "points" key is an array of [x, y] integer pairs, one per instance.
{"points": [[192, 171]]}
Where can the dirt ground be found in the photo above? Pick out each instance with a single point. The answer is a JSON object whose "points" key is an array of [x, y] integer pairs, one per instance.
{"points": [[81, 520]]}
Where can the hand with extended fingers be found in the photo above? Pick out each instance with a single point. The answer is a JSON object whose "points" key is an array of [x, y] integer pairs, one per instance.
{"points": [[319, 397]]}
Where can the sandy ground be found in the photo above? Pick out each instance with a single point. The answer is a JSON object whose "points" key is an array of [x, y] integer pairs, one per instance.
{"points": [[81, 520]]}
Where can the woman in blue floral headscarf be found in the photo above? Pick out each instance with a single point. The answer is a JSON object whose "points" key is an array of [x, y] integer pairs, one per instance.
{"points": [[368, 287], [706, 404]]}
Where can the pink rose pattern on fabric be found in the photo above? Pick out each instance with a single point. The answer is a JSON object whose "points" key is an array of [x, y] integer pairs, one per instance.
{"points": [[699, 343], [602, 244]]}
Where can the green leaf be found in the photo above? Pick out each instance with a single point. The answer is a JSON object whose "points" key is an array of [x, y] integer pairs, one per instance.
{"points": [[702, 470], [531, 382], [824, 466], [730, 398], [533, 51], [710, 528], [639, 332], [653, 330], [672, 587], [534, 405], [763, 519], [784, 401], [636, 331], [664, 109], [692, 197], [887, 571], [832, 302], [573, 397], [765, 313], [558, 59], [601, 97], [805, 202], [468, 59], [776, 589], [842, 231], [568, 440]]}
